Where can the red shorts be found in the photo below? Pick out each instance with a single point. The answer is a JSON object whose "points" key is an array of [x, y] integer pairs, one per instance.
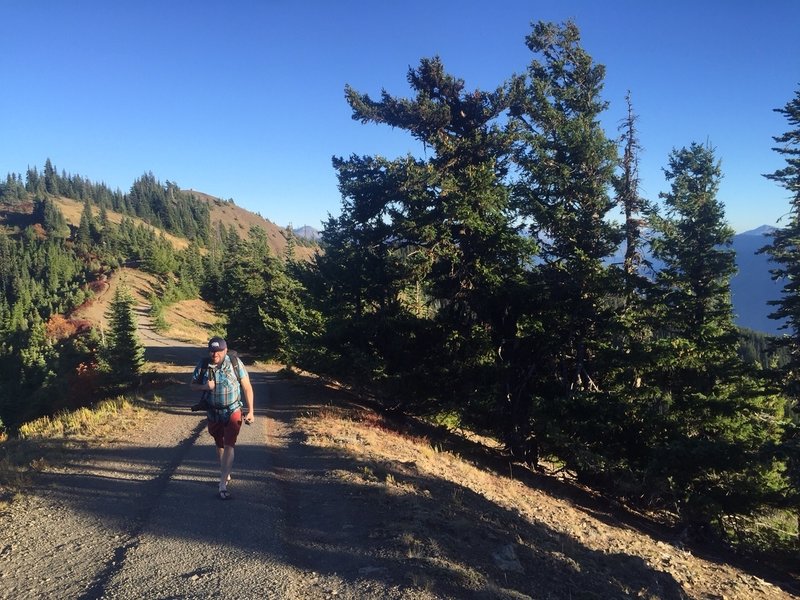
{"points": [[225, 434]]}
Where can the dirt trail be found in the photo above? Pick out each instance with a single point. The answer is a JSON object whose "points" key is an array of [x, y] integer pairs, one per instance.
{"points": [[139, 518]]}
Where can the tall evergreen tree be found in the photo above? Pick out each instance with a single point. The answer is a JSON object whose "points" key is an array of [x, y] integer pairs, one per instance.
{"points": [[86, 226], [123, 352], [629, 198], [784, 251], [566, 168], [719, 422], [47, 213], [50, 178], [358, 287], [452, 229]]}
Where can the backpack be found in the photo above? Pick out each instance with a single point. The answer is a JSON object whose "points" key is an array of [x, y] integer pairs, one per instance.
{"points": [[204, 403]]}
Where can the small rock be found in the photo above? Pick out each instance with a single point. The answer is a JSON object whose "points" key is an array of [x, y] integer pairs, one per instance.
{"points": [[506, 559]]}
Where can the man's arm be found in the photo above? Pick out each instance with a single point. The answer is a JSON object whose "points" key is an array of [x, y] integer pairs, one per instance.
{"points": [[247, 389]]}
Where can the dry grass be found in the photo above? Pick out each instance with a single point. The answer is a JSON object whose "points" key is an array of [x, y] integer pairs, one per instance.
{"points": [[191, 321], [109, 417], [452, 514], [140, 285], [379, 444]]}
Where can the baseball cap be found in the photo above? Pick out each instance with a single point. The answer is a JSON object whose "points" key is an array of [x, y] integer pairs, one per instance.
{"points": [[217, 343]]}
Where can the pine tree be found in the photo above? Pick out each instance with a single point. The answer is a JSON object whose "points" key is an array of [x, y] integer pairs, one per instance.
{"points": [[357, 286], [566, 169], [123, 352], [629, 198], [290, 253], [50, 178], [86, 226], [719, 422], [451, 232], [47, 213], [247, 269], [785, 253]]}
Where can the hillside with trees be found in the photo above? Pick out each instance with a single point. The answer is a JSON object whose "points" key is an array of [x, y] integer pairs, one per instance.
{"points": [[471, 287]]}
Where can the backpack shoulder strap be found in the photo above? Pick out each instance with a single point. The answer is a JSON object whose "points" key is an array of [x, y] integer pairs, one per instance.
{"points": [[235, 364]]}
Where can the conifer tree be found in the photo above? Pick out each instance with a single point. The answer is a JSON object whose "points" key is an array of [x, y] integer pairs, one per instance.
{"points": [[290, 252], [451, 228], [718, 422], [86, 226], [566, 168], [47, 213], [357, 287], [784, 251], [630, 200], [123, 352], [50, 178]]}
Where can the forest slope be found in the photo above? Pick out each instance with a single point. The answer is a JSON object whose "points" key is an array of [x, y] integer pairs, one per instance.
{"points": [[222, 212]]}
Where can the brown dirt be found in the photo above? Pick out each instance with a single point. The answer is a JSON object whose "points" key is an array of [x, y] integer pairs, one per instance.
{"points": [[331, 500], [140, 284]]}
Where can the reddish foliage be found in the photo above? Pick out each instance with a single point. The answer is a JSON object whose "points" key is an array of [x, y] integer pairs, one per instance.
{"points": [[59, 328], [82, 385], [39, 231]]}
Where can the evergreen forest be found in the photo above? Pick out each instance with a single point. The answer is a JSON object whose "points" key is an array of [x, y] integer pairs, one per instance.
{"points": [[471, 286]]}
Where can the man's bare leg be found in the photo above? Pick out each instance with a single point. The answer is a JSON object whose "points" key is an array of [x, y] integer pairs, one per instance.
{"points": [[226, 466]]}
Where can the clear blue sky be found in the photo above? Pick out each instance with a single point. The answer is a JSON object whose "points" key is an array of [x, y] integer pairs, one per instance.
{"points": [[245, 100]]}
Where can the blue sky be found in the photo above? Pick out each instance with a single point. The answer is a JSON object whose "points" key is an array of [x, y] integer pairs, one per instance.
{"points": [[245, 100]]}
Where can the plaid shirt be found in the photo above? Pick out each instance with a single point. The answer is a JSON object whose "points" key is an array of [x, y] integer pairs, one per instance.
{"points": [[226, 396]]}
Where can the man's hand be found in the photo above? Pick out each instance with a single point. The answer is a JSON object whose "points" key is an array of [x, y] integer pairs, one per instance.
{"points": [[211, 384], [249, 418]]}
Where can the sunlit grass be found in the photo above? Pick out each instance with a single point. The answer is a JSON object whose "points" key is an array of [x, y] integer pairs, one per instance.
{"points": [[106, 418]]}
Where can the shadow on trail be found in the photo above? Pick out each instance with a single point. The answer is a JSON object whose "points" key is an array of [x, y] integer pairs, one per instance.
{"points": [[180, 356], [300, 512]]}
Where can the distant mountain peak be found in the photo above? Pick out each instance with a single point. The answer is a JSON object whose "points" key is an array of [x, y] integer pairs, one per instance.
{"points": [[307, 232], [763, 230]]}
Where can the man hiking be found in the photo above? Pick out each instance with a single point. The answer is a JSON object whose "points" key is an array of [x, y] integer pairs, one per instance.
{"points": [[219, 376]]}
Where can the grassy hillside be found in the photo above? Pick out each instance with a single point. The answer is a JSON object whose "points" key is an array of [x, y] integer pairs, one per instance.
{"points": [[229, 214], [226, 213], [72, 209]]}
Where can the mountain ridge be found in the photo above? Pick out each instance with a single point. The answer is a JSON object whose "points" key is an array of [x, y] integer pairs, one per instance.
{"points": [[752, 287]]}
